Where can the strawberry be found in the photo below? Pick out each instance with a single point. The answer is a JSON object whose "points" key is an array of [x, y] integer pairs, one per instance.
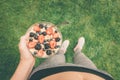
{"points": [[31, 44], [49, 31], [40, 53], [36, 28], [52, 44], [41, 38], [55, 35]]}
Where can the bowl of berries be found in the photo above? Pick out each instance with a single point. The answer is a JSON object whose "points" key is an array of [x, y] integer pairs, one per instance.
{"points": [[44, 39]]}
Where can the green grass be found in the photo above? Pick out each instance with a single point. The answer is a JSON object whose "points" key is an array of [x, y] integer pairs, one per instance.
{"points": [[97, 20]]}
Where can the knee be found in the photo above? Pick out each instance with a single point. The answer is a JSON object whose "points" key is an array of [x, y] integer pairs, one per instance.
{"points": [[58, 59]]}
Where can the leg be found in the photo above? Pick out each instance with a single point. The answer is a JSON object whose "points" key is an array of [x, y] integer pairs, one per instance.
{"points": [[53, 60], [80, 58]]}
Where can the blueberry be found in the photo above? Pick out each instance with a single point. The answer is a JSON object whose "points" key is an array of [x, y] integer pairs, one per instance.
{"points": [[50, 39], [35, 53], [45, 26], [48, 52], [57, 46], [57, 39], [38, 46], [44, 33], [46, 46], [35, 36], [47, 40], [30, 39], [55, 31], [53, 51], [41, 25], [43, 49], [31, 34], [44, 41], [39, 33]]}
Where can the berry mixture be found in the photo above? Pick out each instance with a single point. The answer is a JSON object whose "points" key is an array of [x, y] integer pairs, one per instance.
{"points": [[44, 40]]}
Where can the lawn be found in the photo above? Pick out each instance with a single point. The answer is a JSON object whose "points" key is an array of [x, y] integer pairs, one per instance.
{"points": [[97, 20]]}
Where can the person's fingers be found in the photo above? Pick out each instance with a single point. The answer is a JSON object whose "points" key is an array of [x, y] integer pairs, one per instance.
{"points": [[24, 38], [22, 43]]}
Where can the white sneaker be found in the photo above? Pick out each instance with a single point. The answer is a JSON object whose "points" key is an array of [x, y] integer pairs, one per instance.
{"points": [[64, 46], [80, 44]]}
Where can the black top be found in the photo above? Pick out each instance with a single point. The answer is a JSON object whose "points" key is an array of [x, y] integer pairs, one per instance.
{"points": [[50, 71]]}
